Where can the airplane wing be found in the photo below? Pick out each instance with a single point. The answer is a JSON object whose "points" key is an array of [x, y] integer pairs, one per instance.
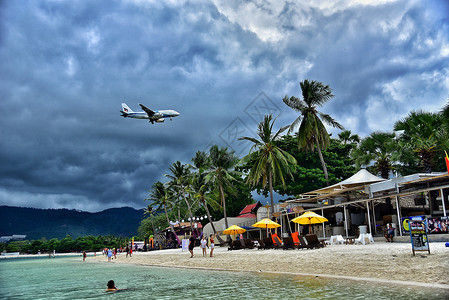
{"points": [[149, 112]]}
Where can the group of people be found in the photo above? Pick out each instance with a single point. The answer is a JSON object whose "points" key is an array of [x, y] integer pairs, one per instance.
{"points": [[203, 245]]}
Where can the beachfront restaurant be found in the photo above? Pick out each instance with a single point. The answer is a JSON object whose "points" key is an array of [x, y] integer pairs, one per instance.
{"points": [[365, 203]]}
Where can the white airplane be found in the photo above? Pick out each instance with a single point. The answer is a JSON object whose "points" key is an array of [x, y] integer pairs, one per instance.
{"points": [[153, 115]]}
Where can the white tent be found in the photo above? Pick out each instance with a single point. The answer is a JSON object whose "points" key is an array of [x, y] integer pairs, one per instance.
{"points": [[361, 178]]}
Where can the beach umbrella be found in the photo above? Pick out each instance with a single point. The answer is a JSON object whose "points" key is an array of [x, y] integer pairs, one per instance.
{"points": [[234, 229], [266, 223], [309, 218]]}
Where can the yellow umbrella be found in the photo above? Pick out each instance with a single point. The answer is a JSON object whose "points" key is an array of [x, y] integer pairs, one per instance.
{"points": [[234, 229], [266, 223], [309, 218]]}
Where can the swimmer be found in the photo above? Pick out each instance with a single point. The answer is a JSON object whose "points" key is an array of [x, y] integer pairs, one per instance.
{"points": [[111, 286]]}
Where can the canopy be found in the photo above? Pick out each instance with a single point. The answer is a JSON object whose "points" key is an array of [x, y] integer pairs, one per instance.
{"points": [[309, 217], [266, 223], [360, 178], [234, 229]]}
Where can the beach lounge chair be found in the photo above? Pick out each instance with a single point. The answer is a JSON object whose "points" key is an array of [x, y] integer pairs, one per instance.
{"points": [[235, 245], [288, 243], [276, 241], [303, 242], [268, 243], [295, 237], [247, 243], [261, 244], [312, 240]]}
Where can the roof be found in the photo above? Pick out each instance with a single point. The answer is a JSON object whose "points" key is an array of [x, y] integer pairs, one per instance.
{"points": [[249, 211], [360, 178]]}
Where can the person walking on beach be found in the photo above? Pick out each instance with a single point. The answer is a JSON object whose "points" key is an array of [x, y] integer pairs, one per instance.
{"points": [[84, 255], [212, 244], [191, 245], [204, 245], [127, 251]]}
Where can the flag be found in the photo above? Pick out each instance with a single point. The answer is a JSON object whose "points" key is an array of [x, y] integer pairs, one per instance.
{"points": [[447, 161]]}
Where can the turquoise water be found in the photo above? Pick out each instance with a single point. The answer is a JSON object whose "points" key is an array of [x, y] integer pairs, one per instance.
{"points": [[71, 278]]}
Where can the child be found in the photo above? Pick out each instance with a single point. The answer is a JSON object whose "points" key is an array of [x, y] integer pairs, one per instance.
{"points": [[204, 245]]}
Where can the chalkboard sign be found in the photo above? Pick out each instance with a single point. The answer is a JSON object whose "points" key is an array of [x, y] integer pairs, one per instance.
{"points": [[418, 235]]}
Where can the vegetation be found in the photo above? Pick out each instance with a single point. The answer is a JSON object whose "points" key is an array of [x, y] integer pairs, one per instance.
{"points": [[269, 162], [311, 132], [65, 245]]}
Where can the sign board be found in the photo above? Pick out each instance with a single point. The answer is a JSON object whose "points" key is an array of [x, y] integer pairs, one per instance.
{"points": [[418, 235], [185, 244]]}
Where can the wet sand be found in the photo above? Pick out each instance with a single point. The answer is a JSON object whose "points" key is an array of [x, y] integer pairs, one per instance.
{"points": [[383, 262]]}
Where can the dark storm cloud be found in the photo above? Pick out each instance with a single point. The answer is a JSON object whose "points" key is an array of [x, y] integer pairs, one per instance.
{"points": [[65, 67]]}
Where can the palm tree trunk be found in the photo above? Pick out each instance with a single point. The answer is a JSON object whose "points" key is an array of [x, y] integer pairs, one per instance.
{"points": [[224, 205], [190, 211], [210, 220], [270, 185], [326, 177], [171, 226]]}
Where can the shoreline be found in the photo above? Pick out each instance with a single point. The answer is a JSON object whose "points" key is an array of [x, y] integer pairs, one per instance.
{"points": [[391, 263]]}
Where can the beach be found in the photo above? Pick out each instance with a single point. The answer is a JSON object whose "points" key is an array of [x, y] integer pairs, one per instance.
{"points": [[383, 262]]}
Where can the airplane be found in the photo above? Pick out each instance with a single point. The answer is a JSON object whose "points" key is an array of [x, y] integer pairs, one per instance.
{"points": [[153, 115]]}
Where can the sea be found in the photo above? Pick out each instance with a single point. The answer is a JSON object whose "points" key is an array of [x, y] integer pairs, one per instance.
{"points": [[66, 277]]}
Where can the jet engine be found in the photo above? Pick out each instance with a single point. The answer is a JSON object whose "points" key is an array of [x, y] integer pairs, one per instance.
{"points": [[160, 120]]}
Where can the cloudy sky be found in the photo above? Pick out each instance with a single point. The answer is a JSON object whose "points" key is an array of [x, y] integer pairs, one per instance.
{"points": [[65, 67]]}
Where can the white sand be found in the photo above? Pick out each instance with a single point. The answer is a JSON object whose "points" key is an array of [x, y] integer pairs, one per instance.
{"points": [[392, 262]]}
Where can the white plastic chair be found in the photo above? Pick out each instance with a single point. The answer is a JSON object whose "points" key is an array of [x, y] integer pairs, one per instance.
{"points": [[332, 240], [340, 239], [370, 237], [360, 239]]}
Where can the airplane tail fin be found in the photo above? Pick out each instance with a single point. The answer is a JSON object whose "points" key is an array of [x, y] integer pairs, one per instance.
{"points": [[126, 109]]}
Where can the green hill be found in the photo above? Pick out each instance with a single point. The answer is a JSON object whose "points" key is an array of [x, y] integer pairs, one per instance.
{"points": [[57, 223]]}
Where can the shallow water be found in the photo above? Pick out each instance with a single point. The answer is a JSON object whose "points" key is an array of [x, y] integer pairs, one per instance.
{"points": [[71, 278]]}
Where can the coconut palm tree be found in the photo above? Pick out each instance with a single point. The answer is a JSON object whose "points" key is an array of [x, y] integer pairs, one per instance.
{"points": [[269, 162], [161, 199], [311, 132], [378, 147], [179, 180], [221, 171]]}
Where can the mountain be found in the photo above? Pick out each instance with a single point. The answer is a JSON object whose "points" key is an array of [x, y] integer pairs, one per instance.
{"points": [[57, 223]]}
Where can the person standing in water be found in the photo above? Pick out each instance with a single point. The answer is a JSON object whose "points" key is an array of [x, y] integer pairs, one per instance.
{"points": [[84, 255]]}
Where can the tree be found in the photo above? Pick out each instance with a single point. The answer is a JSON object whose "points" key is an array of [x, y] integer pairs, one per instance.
{"points": [[422, 133], [161, 199], [179, 180], [378, 147], [269, 162], [346, 137], [222, 164], [311, 132], [201, 190]]}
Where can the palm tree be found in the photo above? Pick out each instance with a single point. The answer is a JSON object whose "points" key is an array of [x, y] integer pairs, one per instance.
{"points": [[222, 163], [269, 162], [179, 180], [377, 147], [423, 133], [161, 199], [347, 137], [311, 132]]}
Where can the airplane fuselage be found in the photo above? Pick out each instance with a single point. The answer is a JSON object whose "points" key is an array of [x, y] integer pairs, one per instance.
{"points": [[151, 115]]}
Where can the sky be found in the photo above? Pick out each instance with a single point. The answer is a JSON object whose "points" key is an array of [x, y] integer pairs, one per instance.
{"points": [[66, 66]]}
